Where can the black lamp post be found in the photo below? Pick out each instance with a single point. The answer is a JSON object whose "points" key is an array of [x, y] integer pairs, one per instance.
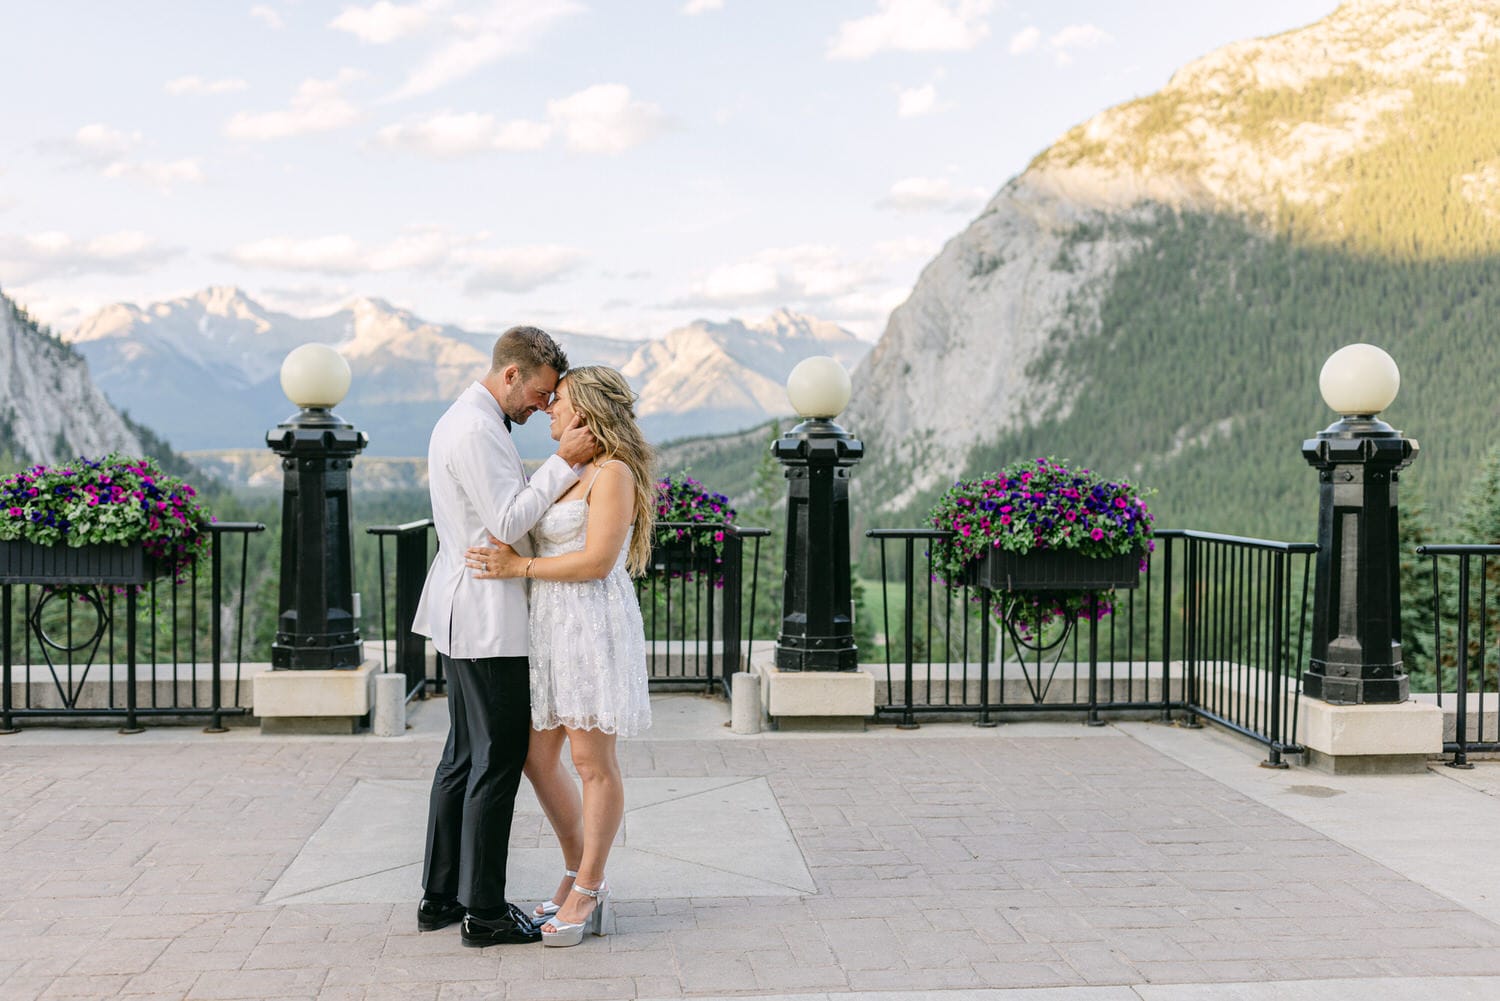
{"points": [[1356, 641], [817, 624], [316, 627]]}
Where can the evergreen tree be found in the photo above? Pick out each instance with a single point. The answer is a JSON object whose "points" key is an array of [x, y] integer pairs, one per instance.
{"points": [[1418, 616], [1478, 524]]}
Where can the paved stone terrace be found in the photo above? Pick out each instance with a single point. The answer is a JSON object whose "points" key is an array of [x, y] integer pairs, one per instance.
{"points": [[951, 860]]}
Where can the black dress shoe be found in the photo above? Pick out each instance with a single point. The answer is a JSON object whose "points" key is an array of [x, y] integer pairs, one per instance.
{"points": [[435, 914], [514, 928]]}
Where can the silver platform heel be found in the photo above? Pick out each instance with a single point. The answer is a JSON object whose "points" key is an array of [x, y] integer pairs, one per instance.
{"points": [[564, 934], [547, 908]]}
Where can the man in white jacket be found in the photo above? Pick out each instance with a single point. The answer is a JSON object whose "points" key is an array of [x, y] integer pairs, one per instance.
{"points": [[479, 489]]}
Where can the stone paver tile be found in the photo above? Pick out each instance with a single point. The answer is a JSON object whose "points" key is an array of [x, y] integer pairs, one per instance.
{"points": [[915, 980], [459, 964], [22, 987], [565, 990], [582, 963], [294, 955], [657, 987], [220, 985], [85, 986], [177, 982], [1026, 974], [408, 991], [1097, 963], [778, 970], [709, 972]]}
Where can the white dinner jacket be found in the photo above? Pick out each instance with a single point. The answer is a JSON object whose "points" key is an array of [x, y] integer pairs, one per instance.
{"points": [[479, 489]]}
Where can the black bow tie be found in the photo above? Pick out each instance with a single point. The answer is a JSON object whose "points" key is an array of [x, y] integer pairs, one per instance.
{"points": [[506, 418]]}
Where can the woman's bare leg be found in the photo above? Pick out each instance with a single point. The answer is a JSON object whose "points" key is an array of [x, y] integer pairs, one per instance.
{"points": [[603, 809], [558, 795]]}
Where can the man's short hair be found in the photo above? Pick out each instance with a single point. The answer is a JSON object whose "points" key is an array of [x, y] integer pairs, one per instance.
{"points": [[529, 349]]}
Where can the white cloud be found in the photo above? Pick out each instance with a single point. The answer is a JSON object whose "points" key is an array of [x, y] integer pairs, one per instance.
{"points": [[913, 26], [931, 194], [52, 255], [505, 28], [423, 250], [450, 134], [98, 143], [336, 255], [1062, 44], [420, 249], [803, 275], [318, 106], [267, 16], [1025, 40], [1073, 37], [196, 86], [604, 119], [694, 7], [158, 174], [384, 22], [519, 269], [917, 101], [107, 149], [906, 248]]}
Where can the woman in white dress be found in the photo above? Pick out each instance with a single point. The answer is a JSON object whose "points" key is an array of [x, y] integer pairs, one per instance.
{"points": [[587, 644]]}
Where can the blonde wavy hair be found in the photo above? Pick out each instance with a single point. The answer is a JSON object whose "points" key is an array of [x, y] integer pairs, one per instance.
{"points": [[602, 397]]}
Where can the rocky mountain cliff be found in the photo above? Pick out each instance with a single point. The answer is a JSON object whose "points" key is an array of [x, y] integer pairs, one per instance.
{"points": [[205, 368], [49, 407], [1155, 294]]}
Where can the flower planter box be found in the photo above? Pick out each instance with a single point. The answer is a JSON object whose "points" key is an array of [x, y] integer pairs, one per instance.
{"points": [[1053, 570], [678, 556], [23, 562]]}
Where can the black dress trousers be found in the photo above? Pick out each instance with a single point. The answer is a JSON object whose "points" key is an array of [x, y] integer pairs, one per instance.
{"points": [[474, 789]]}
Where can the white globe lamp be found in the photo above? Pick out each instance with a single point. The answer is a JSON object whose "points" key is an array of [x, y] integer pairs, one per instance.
{"points": [[819, 387], [315, 377], [1359, 380]]}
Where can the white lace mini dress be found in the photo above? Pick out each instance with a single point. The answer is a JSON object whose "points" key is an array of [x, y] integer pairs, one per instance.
{"points": [[587, 643]]}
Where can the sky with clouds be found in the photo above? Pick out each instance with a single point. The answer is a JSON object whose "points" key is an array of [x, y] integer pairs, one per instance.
{"points": [[618, 167]]}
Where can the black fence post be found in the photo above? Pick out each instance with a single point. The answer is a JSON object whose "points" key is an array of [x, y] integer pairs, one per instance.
{"points": [[1166, 631], [1461, 734], [411, 574], [734, 575], [1092, 719], [1278, 662], [7, 724], [908, 617], [216, 631], [131, 726]]}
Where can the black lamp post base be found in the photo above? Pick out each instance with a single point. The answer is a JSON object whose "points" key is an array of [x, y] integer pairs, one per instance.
{"points": [[321, 657], [1355, 691], [834, 653]]}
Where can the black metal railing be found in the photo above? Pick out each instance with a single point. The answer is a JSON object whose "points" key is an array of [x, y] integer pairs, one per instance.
{"points": [[1465, 619], [114, 652], [694, 605], [399, 590], [1216, 630]]}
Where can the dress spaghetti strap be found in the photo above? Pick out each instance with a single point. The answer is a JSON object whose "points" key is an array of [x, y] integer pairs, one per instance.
{"points": [[594, 479]]}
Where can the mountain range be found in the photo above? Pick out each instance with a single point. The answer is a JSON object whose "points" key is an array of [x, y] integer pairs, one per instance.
{"points": [[203, 369]]}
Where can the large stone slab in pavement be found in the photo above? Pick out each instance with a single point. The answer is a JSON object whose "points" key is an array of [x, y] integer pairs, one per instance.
{"points": [[682, 837]]}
